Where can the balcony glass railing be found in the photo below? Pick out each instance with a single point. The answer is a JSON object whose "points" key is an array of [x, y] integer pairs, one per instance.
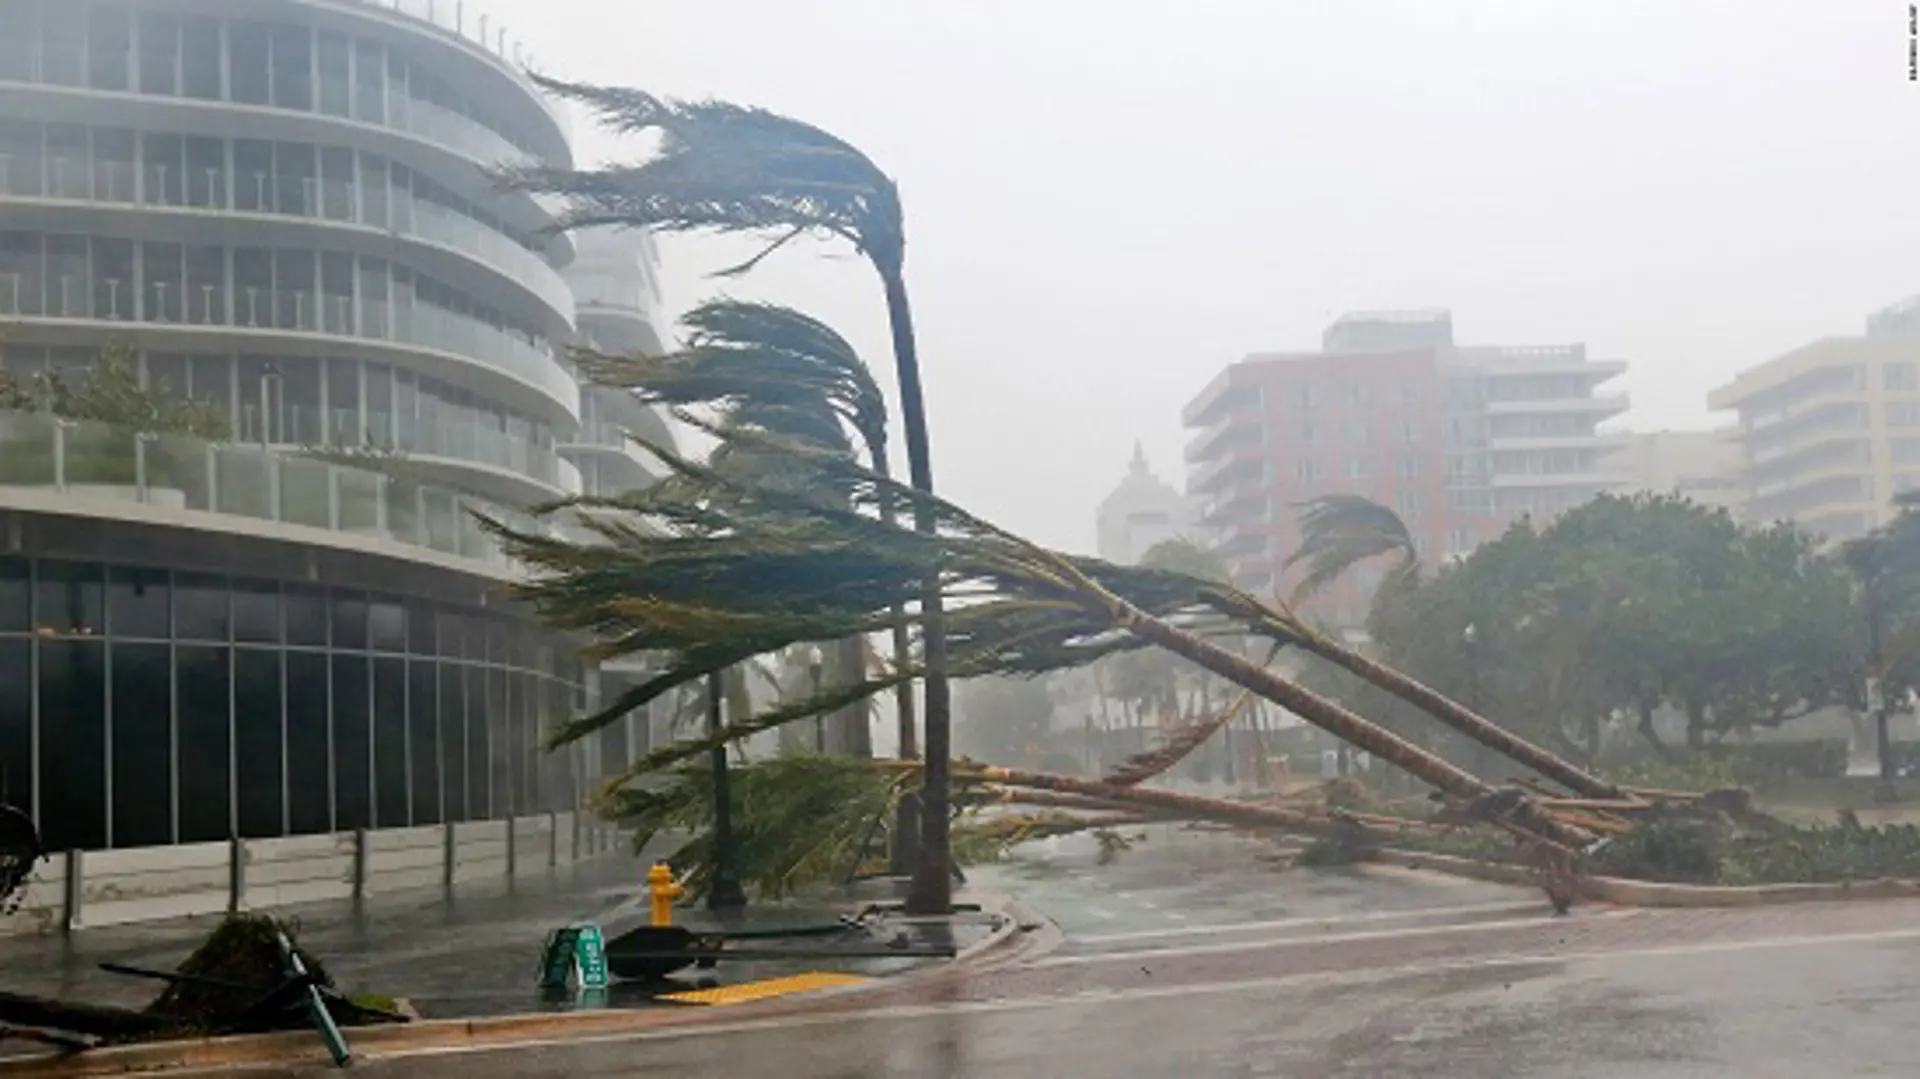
{"points": [[305, 425], [336, 314], [237, 480], [76, 179]]}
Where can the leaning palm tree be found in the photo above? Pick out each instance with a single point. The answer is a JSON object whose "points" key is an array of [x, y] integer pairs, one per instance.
{"points": [[734, 169], [1338, 532], [728, 570]]}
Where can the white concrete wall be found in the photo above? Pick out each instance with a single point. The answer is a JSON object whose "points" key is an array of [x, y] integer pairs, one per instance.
{"points": [[119, 887]]}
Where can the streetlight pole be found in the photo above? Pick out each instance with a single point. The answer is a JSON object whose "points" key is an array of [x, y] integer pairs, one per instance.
{"points": [[726, 893]]}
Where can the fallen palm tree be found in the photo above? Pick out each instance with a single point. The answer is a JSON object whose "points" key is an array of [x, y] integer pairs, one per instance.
{"points": [[711, 569]]}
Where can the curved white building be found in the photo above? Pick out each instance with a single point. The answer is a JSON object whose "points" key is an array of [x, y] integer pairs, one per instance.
{"points": [[284, 208]]}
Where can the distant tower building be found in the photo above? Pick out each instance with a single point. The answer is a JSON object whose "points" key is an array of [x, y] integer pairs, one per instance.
{"points": [[1142, 511]]}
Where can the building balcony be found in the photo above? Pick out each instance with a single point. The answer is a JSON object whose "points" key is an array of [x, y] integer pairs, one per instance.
{"points": [[1599, 405], [173, 475], [1223, 472], [1241, 429], [1595, 479], [456, 152], [1602, 442], [493, 363], [480, 260]]}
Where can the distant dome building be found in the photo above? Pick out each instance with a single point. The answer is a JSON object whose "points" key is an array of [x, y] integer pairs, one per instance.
{"points": [[1142, 511]]}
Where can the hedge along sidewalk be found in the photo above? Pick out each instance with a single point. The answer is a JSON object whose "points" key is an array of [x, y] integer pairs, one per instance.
{"points": [[1644, 893], [1017, 934]]}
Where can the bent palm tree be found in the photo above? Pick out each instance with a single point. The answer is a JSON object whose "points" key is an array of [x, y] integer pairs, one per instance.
{"points": [[1337, 532], [775, 370], [736, 573], [729, 168]]}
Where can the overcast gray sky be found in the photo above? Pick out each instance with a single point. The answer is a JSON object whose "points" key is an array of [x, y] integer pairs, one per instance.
{"points": [[1108, 200]]}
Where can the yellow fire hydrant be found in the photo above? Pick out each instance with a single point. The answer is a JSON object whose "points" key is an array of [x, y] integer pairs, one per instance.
{"points": [[662, 890]]}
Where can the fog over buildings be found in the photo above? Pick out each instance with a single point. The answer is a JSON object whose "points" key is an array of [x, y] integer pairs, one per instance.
{"points": [[1108, 203]]}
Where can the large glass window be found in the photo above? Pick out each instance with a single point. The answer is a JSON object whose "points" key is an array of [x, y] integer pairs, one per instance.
{"points": [[200, 611], [68, 598], [257, 731], [205, 700], [200, 57], [352, 744], [113, 294], [480, 794], [253, 187], [16, 595], [109, 48], [296, 171], [369, 82], [206, 298], [294, 281], [142, 743], [336, 85], [115, 172], [500, 735], [256, 612], [250, 67], [16, 715], [309, 743], [73, 744], [293, 67], [63, 44], [253, 297], [20, 46], [164, 161], [69, 277], [423, 740], [206, 179], [137, 603], [338, 176], [452, 705], [159, 52], [390, 767], [22, 157], [164, 282]]}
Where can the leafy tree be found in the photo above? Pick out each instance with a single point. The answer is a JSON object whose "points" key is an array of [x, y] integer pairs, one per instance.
{"points": [[1885, 565], [728, 168]]}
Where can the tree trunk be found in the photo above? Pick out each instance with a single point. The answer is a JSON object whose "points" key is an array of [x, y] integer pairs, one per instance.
{"points": [[849, 730], [1186, 805], [904, 853], [1351, 729], [932, 888], [1461, 718]]}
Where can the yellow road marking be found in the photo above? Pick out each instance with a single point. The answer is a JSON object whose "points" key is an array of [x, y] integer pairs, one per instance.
{"points": [[747, 992]]}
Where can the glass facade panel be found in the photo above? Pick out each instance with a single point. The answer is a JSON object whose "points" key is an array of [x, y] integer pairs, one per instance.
{"points": [[423, 740], [391, 769], [205, 701], [16, 722], [73, 744], [143, 741], [352, 743], [258, 733], [150, 727], [309, 743]]}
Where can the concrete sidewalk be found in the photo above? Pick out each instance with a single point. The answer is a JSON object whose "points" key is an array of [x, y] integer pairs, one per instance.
{"points": [[471, 953]]}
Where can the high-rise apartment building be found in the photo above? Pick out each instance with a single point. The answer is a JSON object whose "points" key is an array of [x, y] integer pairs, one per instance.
{"points": [[1830, 431], [1704, 466], [283, 209], [1458, 441]]}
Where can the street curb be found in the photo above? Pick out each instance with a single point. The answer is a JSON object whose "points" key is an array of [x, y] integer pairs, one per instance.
{"points": [[301, 1048], [1642, 893]]}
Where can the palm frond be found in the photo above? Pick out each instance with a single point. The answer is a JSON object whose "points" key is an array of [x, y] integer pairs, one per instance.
{"points": [[1337, 532], [726, 168]]}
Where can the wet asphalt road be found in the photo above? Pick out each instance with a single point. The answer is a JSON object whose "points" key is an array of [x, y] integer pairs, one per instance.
{"points": [[1188, 957]]}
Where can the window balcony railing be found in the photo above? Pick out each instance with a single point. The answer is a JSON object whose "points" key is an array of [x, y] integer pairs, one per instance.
{"points": [[180, 472]]}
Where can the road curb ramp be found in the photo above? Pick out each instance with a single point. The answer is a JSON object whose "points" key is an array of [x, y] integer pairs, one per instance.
{"points": [[1016, 935], [1643, 893]]}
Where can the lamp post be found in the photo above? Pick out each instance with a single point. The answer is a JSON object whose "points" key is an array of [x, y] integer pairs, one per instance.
{"points": [[726, 893]]}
